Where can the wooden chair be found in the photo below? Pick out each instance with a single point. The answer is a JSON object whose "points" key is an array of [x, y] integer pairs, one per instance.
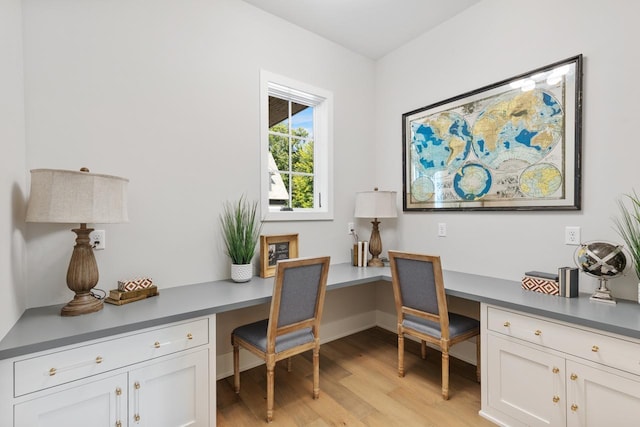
{"points": [[293, 325], [421, 305]]}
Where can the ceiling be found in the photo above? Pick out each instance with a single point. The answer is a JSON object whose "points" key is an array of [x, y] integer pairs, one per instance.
{"points": [[372, 28]]}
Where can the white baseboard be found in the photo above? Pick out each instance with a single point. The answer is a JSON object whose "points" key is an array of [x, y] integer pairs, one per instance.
{"points": [[337, 329]]}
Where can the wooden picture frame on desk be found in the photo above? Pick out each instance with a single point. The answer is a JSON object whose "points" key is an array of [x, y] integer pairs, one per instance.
{"points": [[274, 248]]}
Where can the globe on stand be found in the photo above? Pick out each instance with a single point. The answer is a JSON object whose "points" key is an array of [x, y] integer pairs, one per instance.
{"points": [[604, 261]]}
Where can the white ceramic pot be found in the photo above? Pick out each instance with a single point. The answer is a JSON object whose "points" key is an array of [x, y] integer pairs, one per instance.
{"points": [[241, 272]]}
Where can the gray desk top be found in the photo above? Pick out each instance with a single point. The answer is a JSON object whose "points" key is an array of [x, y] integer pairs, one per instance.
{"points": [[43, 328]]}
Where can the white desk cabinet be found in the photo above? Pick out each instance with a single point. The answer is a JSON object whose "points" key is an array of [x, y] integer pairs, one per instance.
{"points": [[538, 372], [599, 397], [525, 384], [153, 377], [97, 403], [173, 392]]}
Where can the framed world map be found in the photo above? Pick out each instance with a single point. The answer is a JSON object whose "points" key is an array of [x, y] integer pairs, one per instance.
{"points": [[512, 145]]}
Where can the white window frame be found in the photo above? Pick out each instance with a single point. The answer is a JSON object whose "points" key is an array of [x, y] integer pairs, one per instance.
{"points": [[322, 101]]}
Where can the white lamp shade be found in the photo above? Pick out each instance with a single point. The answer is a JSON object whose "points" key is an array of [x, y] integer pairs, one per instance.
{"points": [[376, 204], [64, 196]]}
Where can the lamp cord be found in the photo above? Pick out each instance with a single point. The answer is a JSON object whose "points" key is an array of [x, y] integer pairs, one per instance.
{"points": [[98, 293]]}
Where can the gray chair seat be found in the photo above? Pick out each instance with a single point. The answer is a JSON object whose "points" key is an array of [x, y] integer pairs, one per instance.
{"points": [[256, 333], [458, 325]]}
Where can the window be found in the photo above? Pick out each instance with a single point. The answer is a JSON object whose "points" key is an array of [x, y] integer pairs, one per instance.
{"points": [[296, 137]]}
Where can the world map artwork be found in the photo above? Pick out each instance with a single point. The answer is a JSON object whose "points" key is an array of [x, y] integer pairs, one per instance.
{"points": [[505, 145]]}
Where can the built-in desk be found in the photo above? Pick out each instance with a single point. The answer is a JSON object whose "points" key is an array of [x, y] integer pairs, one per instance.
{"points": [[43, 328], [43, 332]]}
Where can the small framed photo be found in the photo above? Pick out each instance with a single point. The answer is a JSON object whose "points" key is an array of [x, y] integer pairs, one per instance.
{"points": [[275, 248]]}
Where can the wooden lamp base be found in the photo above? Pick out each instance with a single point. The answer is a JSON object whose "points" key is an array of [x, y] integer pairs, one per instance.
{"points": [[375, 245], [82, 276], [82, 304]]}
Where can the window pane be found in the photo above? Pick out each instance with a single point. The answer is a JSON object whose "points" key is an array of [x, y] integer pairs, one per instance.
{"points": [[302, 120], [278, 113], [286, 178], [279, 149], [302, 156], [302, 191], [278, 190]]}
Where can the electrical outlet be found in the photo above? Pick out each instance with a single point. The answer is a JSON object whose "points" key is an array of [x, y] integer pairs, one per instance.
{"points": [[572, 236], [442, 229], [350, 229], [97, 241]]}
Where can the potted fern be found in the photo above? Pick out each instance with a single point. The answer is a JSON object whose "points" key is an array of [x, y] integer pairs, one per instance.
{"points": [[628, 226], [240, 232]]}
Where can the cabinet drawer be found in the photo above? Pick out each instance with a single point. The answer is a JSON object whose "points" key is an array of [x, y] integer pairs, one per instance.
{"points": [[597, 347], [531, 329], [70, 364]]}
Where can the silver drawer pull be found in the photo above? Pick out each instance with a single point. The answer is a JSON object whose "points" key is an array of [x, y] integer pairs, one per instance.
{"points": [[506, 324], [538, 332], [189, 336], [99, 359], [52, 372], [595, 348]]}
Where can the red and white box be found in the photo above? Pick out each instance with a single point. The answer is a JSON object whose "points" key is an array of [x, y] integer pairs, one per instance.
{"points": [[537, 282], [135, 284]]}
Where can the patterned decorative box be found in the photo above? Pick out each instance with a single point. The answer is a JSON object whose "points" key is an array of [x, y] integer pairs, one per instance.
{"points": [[537, 283], [135, 284]]}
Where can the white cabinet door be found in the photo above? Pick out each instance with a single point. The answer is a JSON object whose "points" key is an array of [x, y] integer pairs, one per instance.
{"points": [[174, 392], [598, 398], [525, 383], [101, 403]]}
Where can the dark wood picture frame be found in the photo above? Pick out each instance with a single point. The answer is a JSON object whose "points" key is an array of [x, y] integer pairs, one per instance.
{"points": [[274, 248], [511, 145]]}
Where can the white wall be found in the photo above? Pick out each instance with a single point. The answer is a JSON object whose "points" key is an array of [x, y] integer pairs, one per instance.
{"points": [[165, 93], [12, 167], [492, 41]]}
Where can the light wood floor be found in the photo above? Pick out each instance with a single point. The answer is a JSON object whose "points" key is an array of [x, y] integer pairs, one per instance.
{"points": [[359, 386]]}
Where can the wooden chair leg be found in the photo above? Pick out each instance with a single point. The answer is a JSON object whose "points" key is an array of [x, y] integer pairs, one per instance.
{"points": [[316, 372], [236, 366], [289, 364], [400, 354], [271, 366], [423, 349], [445, 374], [478, 358]]}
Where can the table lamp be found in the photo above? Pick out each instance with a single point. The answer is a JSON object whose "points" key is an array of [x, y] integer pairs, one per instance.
{"points": [[375, 204], [63, 196]]}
